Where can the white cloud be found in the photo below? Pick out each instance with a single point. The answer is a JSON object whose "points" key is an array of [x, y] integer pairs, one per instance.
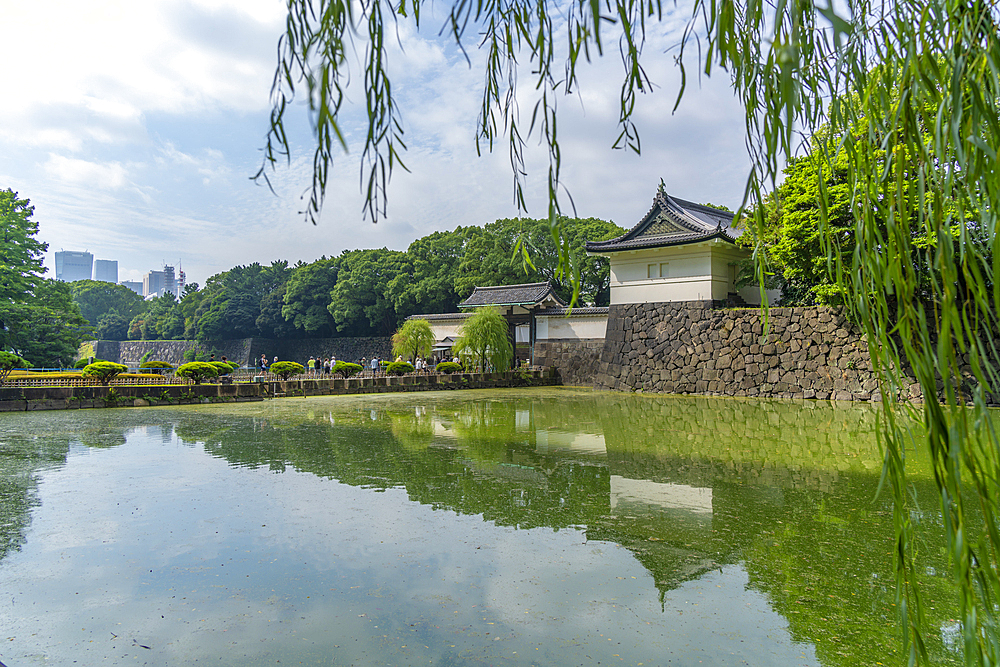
{"points": [[110, 176], [143, 122]]}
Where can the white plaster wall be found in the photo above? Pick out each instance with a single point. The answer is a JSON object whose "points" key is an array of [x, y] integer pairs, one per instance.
{"points": [[751, 294], [686, 273], [444, 328], [571, 327], [694, 289]]}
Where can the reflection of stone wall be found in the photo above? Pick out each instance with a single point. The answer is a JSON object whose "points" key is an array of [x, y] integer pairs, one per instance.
{"points": [[703, 442], [692, 348], [576, 360], [245, 350]]}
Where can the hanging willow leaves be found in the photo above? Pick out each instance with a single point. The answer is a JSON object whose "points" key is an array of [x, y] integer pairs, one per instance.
{"points": [[911, 87], [484, 341]]}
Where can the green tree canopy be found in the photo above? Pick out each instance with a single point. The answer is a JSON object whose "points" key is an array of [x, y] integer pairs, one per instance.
{"points": [[413, 339], [47, 329], [489, 257], [96, 298], [484, 341], [38, 319], [20, 252], [307, 295], [360, 302], [112, 326]]}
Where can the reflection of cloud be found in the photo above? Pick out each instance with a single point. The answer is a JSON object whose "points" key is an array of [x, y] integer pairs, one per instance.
{"points": [[667, 496]]}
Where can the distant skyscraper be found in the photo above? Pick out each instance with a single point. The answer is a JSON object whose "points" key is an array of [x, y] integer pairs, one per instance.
{"points": [[106, 270], [71, 265], [156, 283], [134, 285], [181, 282]]}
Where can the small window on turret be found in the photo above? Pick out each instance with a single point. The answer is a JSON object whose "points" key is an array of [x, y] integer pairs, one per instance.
{"points": [[653, 271]]}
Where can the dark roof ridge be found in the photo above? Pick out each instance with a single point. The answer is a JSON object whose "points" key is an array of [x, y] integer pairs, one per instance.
{"points": [[678, 211]]}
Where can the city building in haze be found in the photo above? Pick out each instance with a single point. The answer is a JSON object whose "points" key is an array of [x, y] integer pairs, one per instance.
{"points": [[134, 285], [72, 265], [106, 270], [157, 283]]}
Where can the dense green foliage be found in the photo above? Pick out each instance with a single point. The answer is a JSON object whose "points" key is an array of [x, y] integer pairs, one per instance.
{"points": [[346, 369], [286, 369], [97, 299], [197, 371], [359, 293], [484, 341], [414, 339], [222, 367], [103, 371], [398, 368], [448, 367], [38, 319], [8, 362]]}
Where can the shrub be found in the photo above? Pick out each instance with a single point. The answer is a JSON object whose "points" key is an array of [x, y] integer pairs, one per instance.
{"points": [[157, 367], [83, 363], [197, 371], [103, 371], [399, 368], [9, 362], [346, 369], [223, 367], [448, 367], [286, 369]]}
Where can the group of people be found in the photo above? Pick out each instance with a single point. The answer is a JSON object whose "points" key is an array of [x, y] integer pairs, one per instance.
{"points": [[321, 365], [325, 365]]}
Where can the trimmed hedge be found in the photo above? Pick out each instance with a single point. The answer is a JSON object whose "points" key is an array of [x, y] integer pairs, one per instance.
{"points": [[346, 369], [448, 367], [286, 369], [197, 371], [399, 368], [103, 371]]}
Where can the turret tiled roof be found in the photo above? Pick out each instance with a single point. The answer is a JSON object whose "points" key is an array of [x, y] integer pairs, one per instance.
{"points": [[672, 221], [528, 294]]}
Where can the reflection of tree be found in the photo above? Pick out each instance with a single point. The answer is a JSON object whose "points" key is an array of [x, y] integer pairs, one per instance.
{"points": [[794, 501], [791, 491], [22, 458]]}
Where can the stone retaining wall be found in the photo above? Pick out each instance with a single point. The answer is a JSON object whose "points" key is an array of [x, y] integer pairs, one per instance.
{"points": [[245, 351], [695, 348], [67, 398], [575, 360]]}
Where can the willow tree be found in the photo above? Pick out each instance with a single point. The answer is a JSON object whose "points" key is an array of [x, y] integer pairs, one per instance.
{"points": [[921, 78], [414, 339], [484, 341]]}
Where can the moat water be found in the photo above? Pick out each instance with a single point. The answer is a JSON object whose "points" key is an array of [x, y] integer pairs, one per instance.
{"points": [[536, 527]]}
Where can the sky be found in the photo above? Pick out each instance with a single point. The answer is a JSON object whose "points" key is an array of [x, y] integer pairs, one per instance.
{"points": [[134, 128]]}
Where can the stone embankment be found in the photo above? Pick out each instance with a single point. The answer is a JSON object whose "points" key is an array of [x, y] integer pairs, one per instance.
{"points": [[68, 398], [245, 351], [575, 360], [694, 348]]}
